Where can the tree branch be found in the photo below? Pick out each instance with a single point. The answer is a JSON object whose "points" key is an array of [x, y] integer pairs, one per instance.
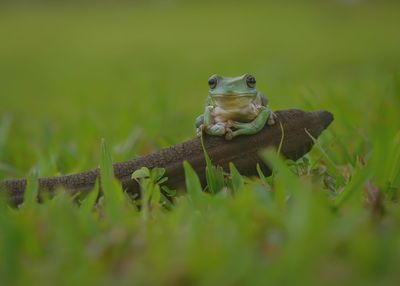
{"points": [[242, 151]]}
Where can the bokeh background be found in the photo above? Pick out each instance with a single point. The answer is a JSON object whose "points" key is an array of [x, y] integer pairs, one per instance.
{"points": [[135, 72]]}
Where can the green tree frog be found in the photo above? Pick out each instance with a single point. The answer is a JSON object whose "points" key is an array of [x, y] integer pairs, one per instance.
{"points": [[234, 107]]}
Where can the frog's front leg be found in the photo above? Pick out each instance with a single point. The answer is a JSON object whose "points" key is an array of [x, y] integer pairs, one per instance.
{"points": [[252, 127], [217, 129]]}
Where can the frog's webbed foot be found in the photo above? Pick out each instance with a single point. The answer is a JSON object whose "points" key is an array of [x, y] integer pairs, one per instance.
{"points": [[217, 129]]}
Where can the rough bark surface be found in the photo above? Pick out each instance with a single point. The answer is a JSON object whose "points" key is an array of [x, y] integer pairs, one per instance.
{"points": [[242, 151]]}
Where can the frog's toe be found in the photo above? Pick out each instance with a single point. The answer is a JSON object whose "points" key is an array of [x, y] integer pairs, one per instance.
{"points": [[229, 134], [200, 129], [272, 119], [237, 125]]}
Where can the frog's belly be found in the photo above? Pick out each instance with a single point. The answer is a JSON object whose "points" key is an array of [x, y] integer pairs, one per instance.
{"points": [[244, 114]]}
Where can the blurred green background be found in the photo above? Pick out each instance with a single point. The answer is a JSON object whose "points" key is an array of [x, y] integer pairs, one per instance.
{"points": [[72, 73], [136, 74]]}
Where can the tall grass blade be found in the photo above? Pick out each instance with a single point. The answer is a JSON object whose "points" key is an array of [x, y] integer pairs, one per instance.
{"points": [[236, 178], [193, 186], [90, 200], [284, 181], [332, 167], [358, 179], [394, 168], [113, 195], [214, 175], [32, 189]]}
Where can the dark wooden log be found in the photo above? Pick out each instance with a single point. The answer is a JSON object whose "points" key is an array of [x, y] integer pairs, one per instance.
{"points": [[242, 151]]}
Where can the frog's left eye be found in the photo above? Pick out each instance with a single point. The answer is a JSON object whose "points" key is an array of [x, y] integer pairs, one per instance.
{"points": [[251, 81], [212, 82]]}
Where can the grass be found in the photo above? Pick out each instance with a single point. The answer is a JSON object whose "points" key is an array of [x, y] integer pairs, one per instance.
{"points": [[136, 74]]}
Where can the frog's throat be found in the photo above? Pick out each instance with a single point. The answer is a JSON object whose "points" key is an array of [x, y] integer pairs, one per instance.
{"points": [[232, 103]]}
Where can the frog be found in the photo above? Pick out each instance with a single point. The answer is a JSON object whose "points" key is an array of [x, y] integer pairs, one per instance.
{"points": [[234, 107]]}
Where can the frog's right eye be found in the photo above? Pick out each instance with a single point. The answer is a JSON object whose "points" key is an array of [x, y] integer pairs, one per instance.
{"points": [[212, 82], [251, 81]]}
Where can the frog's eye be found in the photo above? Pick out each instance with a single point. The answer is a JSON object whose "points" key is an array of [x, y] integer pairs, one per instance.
{"points": [[251, 81], [212, 82]]}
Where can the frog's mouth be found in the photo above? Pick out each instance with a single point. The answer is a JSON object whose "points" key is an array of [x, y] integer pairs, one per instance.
{"points": [[234, 100]]}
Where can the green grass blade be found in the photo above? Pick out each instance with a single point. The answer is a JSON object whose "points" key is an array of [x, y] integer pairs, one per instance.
{"points": [[332, 167], [214, 175], [113, 195], [31, 190], [359, 178], [90, 200], [282, 137], [394, 173], [236, 178], [284, 181], [193, 186]]}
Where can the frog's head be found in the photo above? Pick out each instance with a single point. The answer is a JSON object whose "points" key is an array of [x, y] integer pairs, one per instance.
{"points": [[232, 92]]}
